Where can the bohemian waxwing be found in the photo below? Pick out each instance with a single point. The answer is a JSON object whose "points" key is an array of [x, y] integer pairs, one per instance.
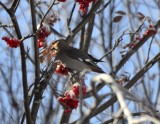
{"points": [[74, 58]]}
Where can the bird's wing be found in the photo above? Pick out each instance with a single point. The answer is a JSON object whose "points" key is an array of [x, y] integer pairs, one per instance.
{"points": [[94, 59], [77, 54]]}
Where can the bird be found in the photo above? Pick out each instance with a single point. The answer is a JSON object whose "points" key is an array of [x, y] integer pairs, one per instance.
{"points": [[73, 58]]}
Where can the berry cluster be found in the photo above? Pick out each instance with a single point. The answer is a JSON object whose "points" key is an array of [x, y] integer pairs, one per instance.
{"points": [[70, 100], [12, 42], [42, 33], [76, 88], [83, 4], [150, 31], [61, 69]]}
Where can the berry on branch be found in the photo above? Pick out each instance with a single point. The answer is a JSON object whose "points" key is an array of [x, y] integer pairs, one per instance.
{"points": [[12, 42]]}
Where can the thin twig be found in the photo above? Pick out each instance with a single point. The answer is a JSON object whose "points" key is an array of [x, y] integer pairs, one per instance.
{"points": [[69, 20], [133, 50], [129, 84], [7, 31], [122, 116], [115, 45], [41, 23], [5, 26], [88, 33], [28, 36], [84, 21], [103, 7], [149, 49]]}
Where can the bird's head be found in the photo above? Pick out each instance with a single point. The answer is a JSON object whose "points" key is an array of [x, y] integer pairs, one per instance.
{"points": [[52, 50], [58, 45]]}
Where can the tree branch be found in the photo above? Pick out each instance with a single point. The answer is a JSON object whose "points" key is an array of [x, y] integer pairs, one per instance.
{"points": [[84, 21], [23, 63], [36, 54], [129, 85], [14, 5]]}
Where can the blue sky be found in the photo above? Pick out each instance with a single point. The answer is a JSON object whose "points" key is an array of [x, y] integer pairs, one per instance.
{"points": [[24, 20]]}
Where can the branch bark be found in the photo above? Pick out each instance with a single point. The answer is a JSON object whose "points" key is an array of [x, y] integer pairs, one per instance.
{"points": [[23, 63]]}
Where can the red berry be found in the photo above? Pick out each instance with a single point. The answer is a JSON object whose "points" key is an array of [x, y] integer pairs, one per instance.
{"points": [[41, 42], [41, 34], [84, 4], [76, 89], [70, 94], [5, 38], [67, 111], [44, 31], [133, 44], [145, 34], [138, 38], [151, 26], [60, 69], [12, 42], [60, 99], [84, 89], [151, 30], [62, 0], [70, 103]]}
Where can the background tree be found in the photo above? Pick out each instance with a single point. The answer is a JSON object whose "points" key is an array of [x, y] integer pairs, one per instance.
{"points": [[122, 33]]}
